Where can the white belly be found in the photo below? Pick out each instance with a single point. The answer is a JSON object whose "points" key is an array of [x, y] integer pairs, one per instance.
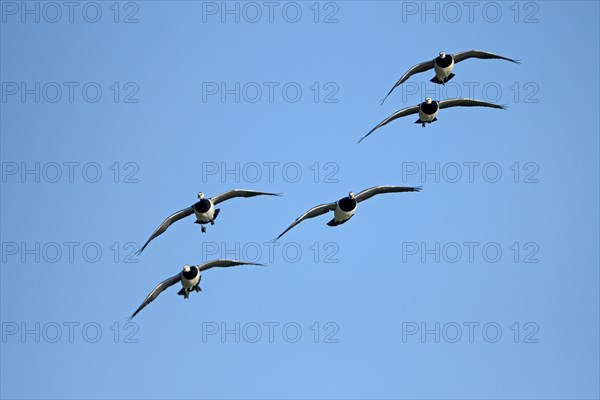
{"points": [[443, 73], [341, 215], [428, 117], [207, 216], [190, 283]]}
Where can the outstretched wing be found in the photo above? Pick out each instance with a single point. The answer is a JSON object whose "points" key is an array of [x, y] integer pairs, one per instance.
{"points": [[239, 193], [398, 114], [166, 223], [458, 57], [468, 103], [415, 69], [223, 263], [313, 212], [368, 193], [157, 290]]}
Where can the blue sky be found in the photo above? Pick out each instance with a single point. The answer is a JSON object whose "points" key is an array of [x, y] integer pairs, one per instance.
{"points": [[483, 285]]}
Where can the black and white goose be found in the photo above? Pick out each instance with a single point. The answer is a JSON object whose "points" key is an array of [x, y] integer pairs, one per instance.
{"points": [[444, 64], [429, 109], [204, 209], [345, 208], [189, 278]]}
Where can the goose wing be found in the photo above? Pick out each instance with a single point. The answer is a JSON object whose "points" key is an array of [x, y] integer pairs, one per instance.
{"points": [[368, 193], [166, 223], [239, 193], [398, 114], [223, 263], [313, 212], [458, 57], [157, 290], [468, 103], [415, 69]]}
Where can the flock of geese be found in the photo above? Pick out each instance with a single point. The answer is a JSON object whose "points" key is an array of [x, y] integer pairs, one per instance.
{"points": [[343, 209]]}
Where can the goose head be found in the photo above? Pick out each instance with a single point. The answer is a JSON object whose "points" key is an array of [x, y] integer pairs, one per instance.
{"points": [[351, 195], [442, 54], [201, 196], [428, 100], [186, 268]]}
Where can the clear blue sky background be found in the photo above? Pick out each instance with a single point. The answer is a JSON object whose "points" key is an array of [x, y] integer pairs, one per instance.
{"points": [[375, 291]]}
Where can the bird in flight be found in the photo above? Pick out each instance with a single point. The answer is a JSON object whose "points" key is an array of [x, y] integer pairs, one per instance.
{"points": [[204, 209], [189, 278], [443, 66], [345, 208], [428, 111]]}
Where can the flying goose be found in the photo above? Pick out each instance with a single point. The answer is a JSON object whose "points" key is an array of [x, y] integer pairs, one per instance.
{"points": [[428, 111], [189, 278], [204, 209], [345, 208], [443, 66]]}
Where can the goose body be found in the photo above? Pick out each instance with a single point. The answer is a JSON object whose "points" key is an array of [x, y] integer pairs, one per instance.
{"points": [[443, 66], [344, 210], [205, 211], [428, 111], [190, 277]]}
